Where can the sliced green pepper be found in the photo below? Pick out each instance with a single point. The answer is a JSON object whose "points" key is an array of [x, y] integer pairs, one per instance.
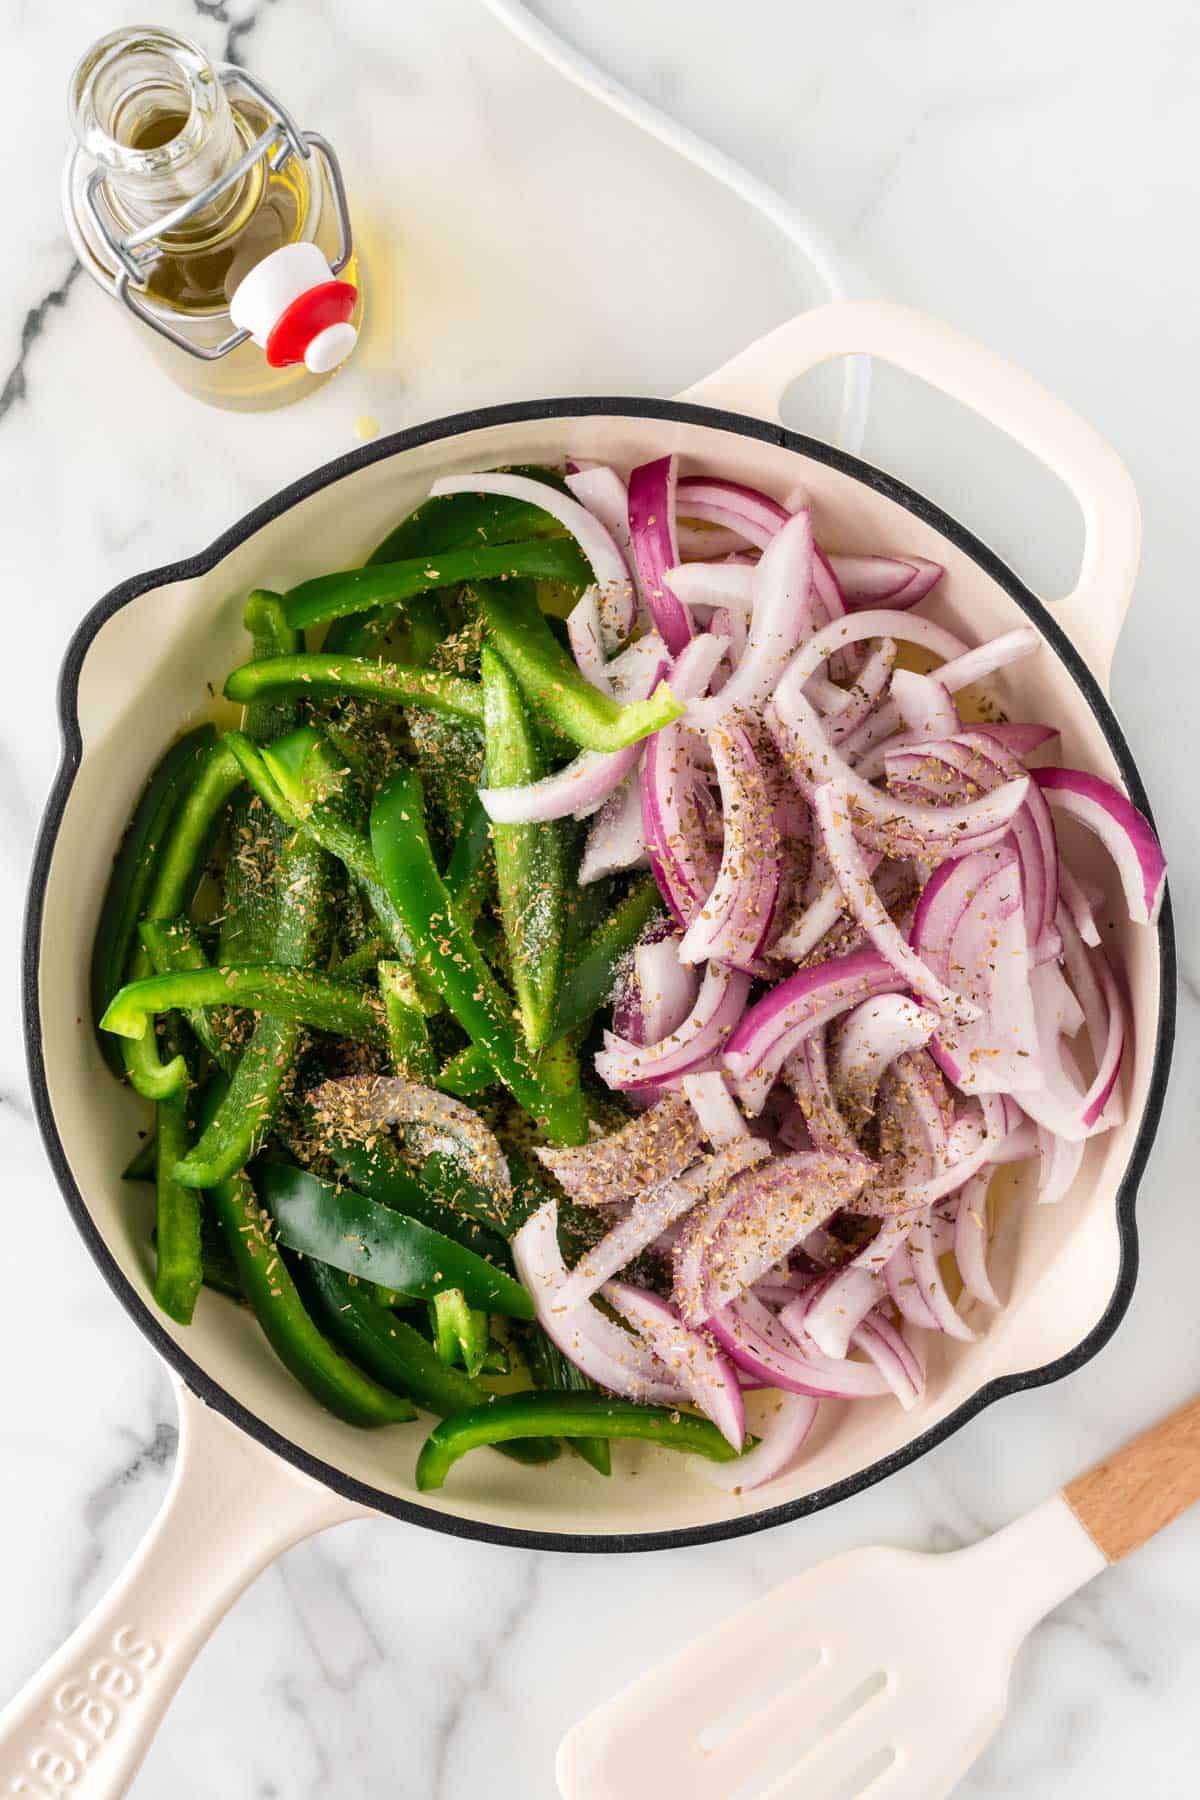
{"points": [[306, 995], [460, 1331], [530, 859], [381, 1173], [446, 955], [344, 1228], [408, 1034], [469, 1072], [564, 1414], [551, 1369], [398, 1357], [246, 1112], [551, 682], [359, 676], [179, 1274], [133, 872], [295, 1339], [272, 637], [589, 982], [173, 945], [358, 590], [213, 777], [466, 872]]}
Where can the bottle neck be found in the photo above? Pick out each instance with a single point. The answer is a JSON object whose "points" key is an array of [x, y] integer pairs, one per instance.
{"points": [[150, 110]]}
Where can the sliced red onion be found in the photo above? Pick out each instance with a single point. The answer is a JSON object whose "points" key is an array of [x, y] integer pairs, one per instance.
{"points": [[1126, 834], [360, 1107], [615, 841], [780, 619], [817, 919], [749, 1227], [781, 1439], [830, 805], [754, 516], [877, 671], [709, 1377], [806, 1073], [587, 641], [601, 490], [839, 1302], [959, 672], [714, 1107], [925, 704], [655, 548], [704, 542], [673, 832], [654, 1148], [923, 1258], [734, 923], [974, 1140], [874, 1035], [632, 673], [654, 1211], [668, 987], [970, 922], [1060, 1161], [756, 1341], [1104, 1016], [900, 1279], [607, 1355], [894, 581], [971, 1239], [883, 821], [614, 589], [714, 584], [895, 1359], [807, 1001], [719, 1006], [1079, 907]]}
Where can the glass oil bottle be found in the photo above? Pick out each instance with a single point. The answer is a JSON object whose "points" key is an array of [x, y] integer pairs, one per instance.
{"points": [[185, 177]]}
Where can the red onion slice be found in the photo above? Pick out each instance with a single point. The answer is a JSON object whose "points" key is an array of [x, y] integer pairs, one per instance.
{"points": [[895, 1359], [601, 490], [923, 1257], [1079, 907], [613, 587], [651, 1149], [730, 1243], [586, 638], [894, 581], [877, 671], [959, 672], [655, 549], [900, 1279], [806, 1002], [668, 987], [831, 810], [780, 619], [925, 704], [971, 1239], [754, 516], [1126, 834], [1060, 1160], [615, 840], [606, 1354], [781, 1439], [714, 584], [702, 1035], [839, 1302], [874, 1035], [715, 1108], [755, 1340], [709, 1377], [806, 1074], [655, 1211], [734, 922]]}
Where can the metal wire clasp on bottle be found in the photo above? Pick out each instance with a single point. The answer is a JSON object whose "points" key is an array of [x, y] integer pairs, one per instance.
{"points": [[137, 253]]}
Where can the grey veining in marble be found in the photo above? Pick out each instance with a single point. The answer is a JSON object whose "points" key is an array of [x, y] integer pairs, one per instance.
{"points": [[1027, 172]]}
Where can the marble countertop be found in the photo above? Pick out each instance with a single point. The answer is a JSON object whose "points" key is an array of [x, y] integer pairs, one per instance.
{"points": [[1023, 172]]}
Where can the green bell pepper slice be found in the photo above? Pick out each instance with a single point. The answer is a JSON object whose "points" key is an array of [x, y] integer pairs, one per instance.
{"points": [[305, 995], [179, 1273], [589, 982], [174, 945], [531, 869], [362, 678], [552, 684], [356, 1235], [446, 955], [551, 1369], [358, 590], [564, 1414]]}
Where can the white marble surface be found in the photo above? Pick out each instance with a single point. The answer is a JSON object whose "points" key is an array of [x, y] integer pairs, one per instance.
{"points": [[1026, 171]]}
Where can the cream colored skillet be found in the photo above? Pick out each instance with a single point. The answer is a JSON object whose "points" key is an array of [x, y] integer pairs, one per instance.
{"points": [[260, 1465]]}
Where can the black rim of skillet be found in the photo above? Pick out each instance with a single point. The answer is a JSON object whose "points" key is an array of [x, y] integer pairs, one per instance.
{"points": [[140, 1309]]}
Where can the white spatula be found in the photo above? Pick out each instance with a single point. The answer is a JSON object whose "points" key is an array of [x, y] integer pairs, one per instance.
{"points": [[882, 1672]]}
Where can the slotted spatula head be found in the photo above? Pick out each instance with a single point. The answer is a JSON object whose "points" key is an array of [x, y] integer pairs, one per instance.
{"points": [[881, 1672]]}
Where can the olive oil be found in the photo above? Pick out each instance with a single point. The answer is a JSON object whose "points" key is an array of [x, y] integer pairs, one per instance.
{"points": [[174, 141]]}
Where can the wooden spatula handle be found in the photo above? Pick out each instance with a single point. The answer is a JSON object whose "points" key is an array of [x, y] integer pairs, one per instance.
{"points": [[1132, 1494]]}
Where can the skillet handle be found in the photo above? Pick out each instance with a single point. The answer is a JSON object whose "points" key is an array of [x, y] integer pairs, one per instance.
{"points": [[756, 380], [83, 1723]]}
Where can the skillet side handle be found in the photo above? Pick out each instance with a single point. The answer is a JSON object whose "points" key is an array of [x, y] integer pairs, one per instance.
{"points": [[756, 380], [84, 1722]]}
